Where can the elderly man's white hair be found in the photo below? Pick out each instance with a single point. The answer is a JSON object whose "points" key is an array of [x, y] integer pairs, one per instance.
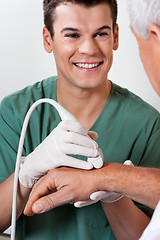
{"points": [[142, 14]]}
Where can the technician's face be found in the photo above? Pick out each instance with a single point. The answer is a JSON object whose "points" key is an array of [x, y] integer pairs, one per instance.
{"points": [[83, 44]]}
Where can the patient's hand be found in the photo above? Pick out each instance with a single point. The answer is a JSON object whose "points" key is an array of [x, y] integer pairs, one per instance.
{"points": [[61, 186]]}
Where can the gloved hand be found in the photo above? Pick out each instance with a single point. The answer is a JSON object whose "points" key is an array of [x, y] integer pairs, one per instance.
{"points": [[103, 196], [69, 137]]}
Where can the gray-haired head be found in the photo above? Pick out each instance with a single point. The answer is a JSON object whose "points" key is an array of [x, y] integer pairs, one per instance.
{"points": [[142, 14]]}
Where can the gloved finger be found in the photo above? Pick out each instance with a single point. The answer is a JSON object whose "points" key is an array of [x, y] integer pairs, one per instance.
{"points": [[96, 196], [77, 163], [79, 139], [80, 204], [73, 126], [98, 161], [93, 135], [128, 162], [112, 198], [105, 196], [80, 150]]}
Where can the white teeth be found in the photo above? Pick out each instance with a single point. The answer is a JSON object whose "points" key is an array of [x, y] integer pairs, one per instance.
{"points": [[86, 65]]}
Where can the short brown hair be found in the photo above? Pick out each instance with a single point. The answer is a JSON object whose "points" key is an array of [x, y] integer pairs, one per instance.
{"points": [[49, 7]]}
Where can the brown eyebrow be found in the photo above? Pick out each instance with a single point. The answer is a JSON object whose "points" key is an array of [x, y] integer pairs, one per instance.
{"points": [[103, 28], [69, 29], [77, 30]]}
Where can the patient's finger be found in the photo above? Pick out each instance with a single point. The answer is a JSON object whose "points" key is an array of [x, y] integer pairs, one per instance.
{"points": [[39, 190], [51, 201]]}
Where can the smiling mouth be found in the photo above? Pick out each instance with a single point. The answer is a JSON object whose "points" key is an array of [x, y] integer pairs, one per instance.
{"points": [[88, 65]]}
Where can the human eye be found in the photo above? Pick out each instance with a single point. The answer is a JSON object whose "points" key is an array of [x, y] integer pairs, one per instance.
{"points": [[72, 35], [102, 35]]}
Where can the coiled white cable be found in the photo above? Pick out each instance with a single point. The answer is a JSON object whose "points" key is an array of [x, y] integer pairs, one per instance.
{"points": [[64, 114]]}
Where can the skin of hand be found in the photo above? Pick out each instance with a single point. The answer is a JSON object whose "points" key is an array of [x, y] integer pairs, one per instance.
{"points": [[68, 185], [57, 187], [104, 196]]}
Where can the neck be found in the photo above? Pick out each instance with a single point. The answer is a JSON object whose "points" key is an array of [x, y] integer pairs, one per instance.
{"points": [[84, 104]]}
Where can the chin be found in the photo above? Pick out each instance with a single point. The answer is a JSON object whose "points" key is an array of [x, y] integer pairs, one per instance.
{"points": [[90, 86], [91, 83]]}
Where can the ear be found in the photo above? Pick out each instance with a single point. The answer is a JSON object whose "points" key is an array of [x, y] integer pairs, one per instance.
{"points": [[116, 37], [47, 40], [154, 31]]}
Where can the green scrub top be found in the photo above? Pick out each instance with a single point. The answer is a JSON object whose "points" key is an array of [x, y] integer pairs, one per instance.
{"points": [[128, 128]]}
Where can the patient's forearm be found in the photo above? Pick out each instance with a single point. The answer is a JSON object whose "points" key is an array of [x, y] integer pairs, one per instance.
{"points": [[140, 184]]}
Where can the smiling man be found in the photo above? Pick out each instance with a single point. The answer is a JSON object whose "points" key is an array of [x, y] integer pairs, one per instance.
{"points": [[83, 53], [82, 36]]}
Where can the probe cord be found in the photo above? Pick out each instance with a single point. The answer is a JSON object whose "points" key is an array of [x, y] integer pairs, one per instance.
{"points": [[64, 114]]}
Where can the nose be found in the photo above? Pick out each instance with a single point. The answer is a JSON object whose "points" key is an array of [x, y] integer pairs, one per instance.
{"points": [[88, 46]]}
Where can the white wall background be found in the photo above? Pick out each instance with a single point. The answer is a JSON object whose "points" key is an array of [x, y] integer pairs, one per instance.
{"points": [[23, 60]]}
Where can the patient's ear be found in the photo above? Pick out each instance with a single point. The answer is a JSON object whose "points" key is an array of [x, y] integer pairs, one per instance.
{"points": [[154, 31]]}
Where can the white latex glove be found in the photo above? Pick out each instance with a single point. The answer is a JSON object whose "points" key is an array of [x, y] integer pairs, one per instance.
{"points": [[69, 137], [103, 196]]}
